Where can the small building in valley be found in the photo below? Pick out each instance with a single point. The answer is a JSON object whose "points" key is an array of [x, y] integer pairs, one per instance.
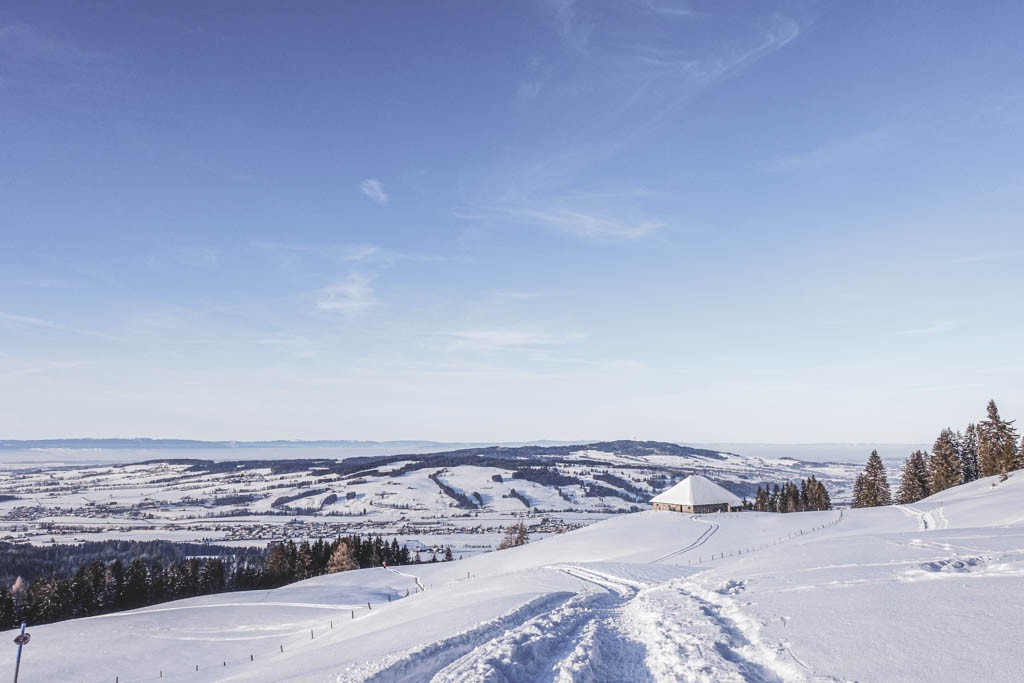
{"points": [[697, 494]]}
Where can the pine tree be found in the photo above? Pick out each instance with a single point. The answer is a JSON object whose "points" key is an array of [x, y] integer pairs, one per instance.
{"points": [[49, 599], [6, 609], [968, 452], [872, 484], [997, 444], [278, 567], [157, 581], [858, 491], [211, 576], [82, 597], [113, 590], [761, 501], [914, 482], [136, 579], [823, 501], [945, 470]]}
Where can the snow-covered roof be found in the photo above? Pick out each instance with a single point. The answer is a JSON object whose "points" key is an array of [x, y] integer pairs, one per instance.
{"points": [[697, 490]]}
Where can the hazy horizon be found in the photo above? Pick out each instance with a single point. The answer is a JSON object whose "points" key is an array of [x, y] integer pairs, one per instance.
{"points": [[14, 451]]}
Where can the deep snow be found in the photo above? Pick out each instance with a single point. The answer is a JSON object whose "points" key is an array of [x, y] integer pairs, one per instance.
{"points": [[933, 591]]}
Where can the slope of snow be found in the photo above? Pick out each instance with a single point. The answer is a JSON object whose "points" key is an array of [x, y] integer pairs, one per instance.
{"points": [[932, 591]]}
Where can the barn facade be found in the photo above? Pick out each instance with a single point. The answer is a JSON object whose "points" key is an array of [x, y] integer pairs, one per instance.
{"points": [[697, 495]]}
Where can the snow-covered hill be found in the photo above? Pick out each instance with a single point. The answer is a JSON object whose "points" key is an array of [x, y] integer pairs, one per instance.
{"points": [[929, 592]]}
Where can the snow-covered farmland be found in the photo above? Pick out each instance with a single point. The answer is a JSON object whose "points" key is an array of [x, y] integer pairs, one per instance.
{"points": [[462, 498]]}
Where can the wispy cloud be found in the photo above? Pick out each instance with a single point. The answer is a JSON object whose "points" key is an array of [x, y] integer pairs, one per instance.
{"points": [[835, 152], [288, 253], [500, 339], [986, 257], [32, 368], [22, 41], [194, 256], [628, 67], [350, 297], [926, 331], [583, 224], [374, 189], [666, 9], [28, 321], [520, 295]]}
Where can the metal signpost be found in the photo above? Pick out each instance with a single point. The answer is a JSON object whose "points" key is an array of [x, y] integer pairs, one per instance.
{"points": [[21, 640]]}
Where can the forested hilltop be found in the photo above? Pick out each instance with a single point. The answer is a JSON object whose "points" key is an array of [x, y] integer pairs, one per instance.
{"points": [[148, 573]]}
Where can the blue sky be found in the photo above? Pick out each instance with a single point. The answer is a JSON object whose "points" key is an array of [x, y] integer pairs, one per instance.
{"points": [[788, 222]]}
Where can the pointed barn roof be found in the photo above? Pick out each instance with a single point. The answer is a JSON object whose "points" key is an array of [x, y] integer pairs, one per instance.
{"points": [[697, 490]]}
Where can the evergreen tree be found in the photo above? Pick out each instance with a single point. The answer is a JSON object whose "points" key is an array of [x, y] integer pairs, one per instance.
{"points": [[211, 576], [278, 567], [968, 452], [6, 609], [914, 481], [872, 488], [822, 500], [113, 589], [136, 588], [945, 469], [858, 491], [83, 599], [305, 563], [761, 500], [997, 444], [157, 582]]}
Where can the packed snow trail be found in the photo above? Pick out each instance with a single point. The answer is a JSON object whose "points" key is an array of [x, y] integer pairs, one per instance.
{"points": [[618, 629], [424, 662], [408, 576], [553, 646], [925, 518], [701, 540]]}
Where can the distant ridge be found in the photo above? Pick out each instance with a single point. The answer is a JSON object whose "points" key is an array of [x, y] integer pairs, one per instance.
{"points": [[147, 443]]}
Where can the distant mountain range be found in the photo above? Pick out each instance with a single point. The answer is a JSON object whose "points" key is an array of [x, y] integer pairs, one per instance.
{"points": [[813, 452], [152, 444]]}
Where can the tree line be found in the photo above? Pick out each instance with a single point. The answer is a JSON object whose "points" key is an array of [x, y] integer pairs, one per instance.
{"points": [[101, 587], [807, 495], [987, 448], [30, 561]]}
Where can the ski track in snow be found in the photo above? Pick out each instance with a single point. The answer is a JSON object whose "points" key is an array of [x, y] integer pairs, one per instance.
{"points": [[701, 540], [925, 519], [695, 634], [408, 576], [424, 662], [578, 641]]}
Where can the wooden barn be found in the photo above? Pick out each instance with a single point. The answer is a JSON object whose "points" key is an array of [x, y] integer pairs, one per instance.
{"points": [[697, 494]]}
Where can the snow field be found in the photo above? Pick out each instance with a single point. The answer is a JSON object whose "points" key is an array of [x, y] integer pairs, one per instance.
{"points": [[930, 592]]}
